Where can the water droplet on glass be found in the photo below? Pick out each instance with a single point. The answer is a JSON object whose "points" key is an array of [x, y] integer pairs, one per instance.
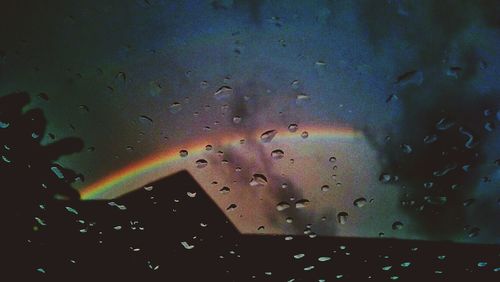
{"points": [[385, 177], [186, 245], [322, 259], [145, 118], [204, 84], [57, 172], [175, 107], [468, 202], [469, 143], [298, 256], [444, 124], [4, 124], [398, 225], [224, 190], [405, 264], [201, 163], [231, 207], [414, 77], [121, 76], [406, 148], [40, 221], [302, 98], [281, 206], [332, 159], [482, 264], [44, 96], [307, 268], [342, 217], [360, 202], [489, 126], [71, 210], [84, 108], [258, 180], [300, 204], [454, 71], [320, 63], [293, 127], [430, 139], [183, 153], [277, 154], [445, 170], [223, 92], [325, 188], [268, 136], [473, 232], [236, 119], [304, 134]]}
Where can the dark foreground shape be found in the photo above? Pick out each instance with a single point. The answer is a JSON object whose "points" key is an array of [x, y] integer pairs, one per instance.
{"points": [[167, 233]]}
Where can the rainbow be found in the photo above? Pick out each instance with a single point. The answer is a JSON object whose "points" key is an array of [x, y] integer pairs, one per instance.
{"points": [[154, 167]]}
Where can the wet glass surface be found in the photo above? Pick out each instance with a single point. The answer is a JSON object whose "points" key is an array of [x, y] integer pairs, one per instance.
{"points": [[330, 120]]}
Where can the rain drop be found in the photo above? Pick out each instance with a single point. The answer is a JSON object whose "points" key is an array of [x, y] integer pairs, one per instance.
{"points": [[482, 264], [300, 204], [281, 206], [201, 163], [224, 190], [236, 119], [175, 107], [258, 180], [430, 139], [406, 148], [360, 202], [84, 108], [293, 127], [295, 84], [277, 154], [473, 232], [444, 124], [398, 225], [468, 202], [186, 245], [302, 98], [268, 136], [342, 217], [146, 118], [385, 177], [223, 92], [183, 153], [298, 256]]}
